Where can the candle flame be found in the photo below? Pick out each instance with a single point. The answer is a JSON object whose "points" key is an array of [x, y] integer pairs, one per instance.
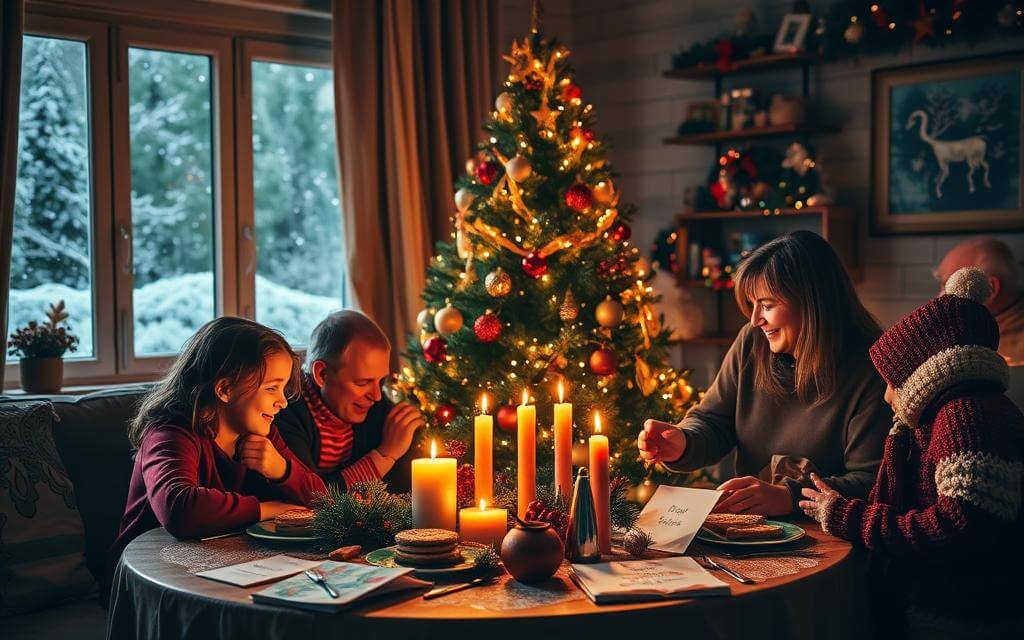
{"points": [[483, 504], [526, 397], [561, 392], [433, 448], [483, 403], [597, 422]]}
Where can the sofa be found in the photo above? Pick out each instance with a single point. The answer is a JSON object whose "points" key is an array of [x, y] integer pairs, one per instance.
{"points": [[61, 500]]}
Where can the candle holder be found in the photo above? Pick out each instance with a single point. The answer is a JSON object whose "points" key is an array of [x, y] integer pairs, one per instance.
{"points": [[581, 544]]}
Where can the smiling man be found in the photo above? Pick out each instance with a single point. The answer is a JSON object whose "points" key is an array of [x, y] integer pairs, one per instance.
{"points": [[342, 427]]}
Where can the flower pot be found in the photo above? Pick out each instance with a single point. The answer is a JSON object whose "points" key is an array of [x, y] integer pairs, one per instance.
{"points": [[42, 375]]}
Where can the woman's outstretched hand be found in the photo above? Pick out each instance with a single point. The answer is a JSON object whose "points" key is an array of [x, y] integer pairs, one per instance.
{"points": [[750, 495], [661, 442]]}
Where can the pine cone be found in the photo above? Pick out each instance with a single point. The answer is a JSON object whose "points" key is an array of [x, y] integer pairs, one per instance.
{"points": [[570, 309], [636, 541]]}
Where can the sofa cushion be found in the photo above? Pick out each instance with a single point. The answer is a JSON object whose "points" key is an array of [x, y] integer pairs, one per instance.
{"points": [[92, 440], [42, 539], [84, 620]]}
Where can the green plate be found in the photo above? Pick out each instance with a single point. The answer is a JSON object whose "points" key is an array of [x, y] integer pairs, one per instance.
{"points": [[267, 530], [790, 532], [386, 558]]}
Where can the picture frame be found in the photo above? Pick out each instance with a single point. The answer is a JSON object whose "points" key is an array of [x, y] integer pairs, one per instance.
{"points": [[946, 146], [792, 33]]}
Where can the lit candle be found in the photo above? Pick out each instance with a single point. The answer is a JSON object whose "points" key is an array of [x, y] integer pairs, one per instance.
{"points": [[483, 453], [433, 492], [563, 444], [526, 415], [601, 486], [486, 525]]}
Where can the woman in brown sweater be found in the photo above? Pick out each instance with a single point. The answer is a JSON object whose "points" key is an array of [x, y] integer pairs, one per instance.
{"points": [[796, 392]]}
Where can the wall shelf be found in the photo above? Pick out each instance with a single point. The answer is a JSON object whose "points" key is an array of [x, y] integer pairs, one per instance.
{"points": [[753, 133], [750, 65]]}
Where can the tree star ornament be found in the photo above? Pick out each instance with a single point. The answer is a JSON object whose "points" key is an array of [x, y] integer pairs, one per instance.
{"points": [[545, 116], [924, 26]]}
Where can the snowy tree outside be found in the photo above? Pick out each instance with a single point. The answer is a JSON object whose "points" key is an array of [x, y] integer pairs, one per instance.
{"points": [[300, 269]]}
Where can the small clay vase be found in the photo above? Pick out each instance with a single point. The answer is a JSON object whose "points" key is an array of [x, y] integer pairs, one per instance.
{"points": [[532, 551], [42, 375]]}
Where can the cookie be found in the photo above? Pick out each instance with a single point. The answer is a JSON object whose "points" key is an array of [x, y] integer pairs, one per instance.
{"points": [[720, 522], [428, 559], [426, 538], [294, 518], [756, 531]]}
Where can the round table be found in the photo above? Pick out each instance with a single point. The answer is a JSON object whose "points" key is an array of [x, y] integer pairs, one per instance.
{"points": [[154, 598]]}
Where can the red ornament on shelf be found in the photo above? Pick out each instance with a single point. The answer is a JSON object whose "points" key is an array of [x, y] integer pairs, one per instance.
{"points": [[621, 232], [571, 92], [487, 172], [508, 418], [444, 414], [579, 197], [487, 328], [535, 265], [435, 349], [604, 362]]}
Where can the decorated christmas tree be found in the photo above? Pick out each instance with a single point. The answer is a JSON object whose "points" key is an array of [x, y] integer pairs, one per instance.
{"points": [[540, 285]]}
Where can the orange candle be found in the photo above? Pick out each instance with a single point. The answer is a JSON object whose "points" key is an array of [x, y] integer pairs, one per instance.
{"points": [[526, 415], [483, 453], [433, 492], [601, 485], [563, 444], [486, 525]]}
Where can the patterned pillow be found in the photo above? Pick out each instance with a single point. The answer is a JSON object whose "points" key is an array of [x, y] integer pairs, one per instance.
{"points": [[42, 541]]}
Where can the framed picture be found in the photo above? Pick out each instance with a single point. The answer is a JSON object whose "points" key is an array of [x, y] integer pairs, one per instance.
{"points": [[946, 146], [792, 33]]}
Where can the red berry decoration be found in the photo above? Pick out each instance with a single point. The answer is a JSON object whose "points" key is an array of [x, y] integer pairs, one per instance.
{"points": [[579, 197], [621, 232], [435, 349], [465, 485], [570, 92], [604, 362], [535, 265], [456, 448], [508, 418], [444, 414], [487, 328], [487, 172]]}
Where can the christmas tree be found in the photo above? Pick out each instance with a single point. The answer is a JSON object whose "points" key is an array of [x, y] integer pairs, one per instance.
{"points": [[540, 285]]}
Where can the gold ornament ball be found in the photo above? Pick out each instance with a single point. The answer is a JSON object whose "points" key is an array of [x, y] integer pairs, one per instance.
{"points": [[498, 283], [604, 191], [448, 320], [503, 102], [425, 318], [464, 199], [518, 168], [609, 313]]}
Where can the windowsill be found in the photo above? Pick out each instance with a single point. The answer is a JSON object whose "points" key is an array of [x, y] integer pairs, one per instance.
{"points": [[74, 390]]}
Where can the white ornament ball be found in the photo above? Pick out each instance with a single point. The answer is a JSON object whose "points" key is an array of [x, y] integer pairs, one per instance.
{"points": [[464, 199], [854, 33], [609, 313], [971, 283], [518, 168], [448, 320], [425, 318], [503, 102]]}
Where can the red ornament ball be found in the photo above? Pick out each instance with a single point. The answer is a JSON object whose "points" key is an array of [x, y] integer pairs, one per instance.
{"points": [[444, 414], [604, 362], [621, 232], [487, 172], [435, 349], [571, 92], [508, 418], [535, 265], [579, 197], [487, 328]]}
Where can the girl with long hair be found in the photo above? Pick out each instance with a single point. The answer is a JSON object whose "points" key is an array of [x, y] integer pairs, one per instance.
{"points": [[209, 458], [796, 392]]}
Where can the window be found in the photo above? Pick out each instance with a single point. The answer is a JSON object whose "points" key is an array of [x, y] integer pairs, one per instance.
{"points": [[299, 268], [166, 177], [52, 254]]}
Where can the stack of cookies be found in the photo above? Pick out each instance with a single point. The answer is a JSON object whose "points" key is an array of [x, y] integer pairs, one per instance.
{"points": [[300, 518], [741, 526], [427, 548]]}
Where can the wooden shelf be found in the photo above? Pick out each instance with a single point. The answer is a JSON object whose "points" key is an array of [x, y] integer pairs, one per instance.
{"points": [[753, 133], [750, 65], [759, 213]]}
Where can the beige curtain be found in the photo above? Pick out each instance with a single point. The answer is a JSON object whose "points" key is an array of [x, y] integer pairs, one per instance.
{"points": [[12, 22], [413, 82]]}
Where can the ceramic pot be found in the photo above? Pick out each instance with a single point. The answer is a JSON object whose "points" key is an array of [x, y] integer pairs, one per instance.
{"points": [[533, 552], [42, 375]]}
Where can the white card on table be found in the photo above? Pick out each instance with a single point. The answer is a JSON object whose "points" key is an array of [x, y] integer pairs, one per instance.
{"points": [[253, 572], [674, 515]]}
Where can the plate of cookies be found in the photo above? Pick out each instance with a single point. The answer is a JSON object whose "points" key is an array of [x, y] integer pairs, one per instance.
{"points": [[429, 552], [747, 530], [294, 525]]}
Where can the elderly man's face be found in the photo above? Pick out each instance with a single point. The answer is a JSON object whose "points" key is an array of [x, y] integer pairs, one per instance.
{"points": [[350, 386]]}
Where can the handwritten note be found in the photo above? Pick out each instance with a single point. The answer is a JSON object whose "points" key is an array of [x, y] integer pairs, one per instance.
{"points": [[673, 516], [258, 571]]}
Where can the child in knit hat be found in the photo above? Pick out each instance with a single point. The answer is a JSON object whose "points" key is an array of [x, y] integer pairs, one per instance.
{"points": [[944, 516]]}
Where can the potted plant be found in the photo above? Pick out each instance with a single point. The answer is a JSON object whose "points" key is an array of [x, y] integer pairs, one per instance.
{"points": [[40, 349]]}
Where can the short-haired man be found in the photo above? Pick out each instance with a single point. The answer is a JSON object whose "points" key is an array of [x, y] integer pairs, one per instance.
{"points": [[342, 426], [1004, 274]]}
